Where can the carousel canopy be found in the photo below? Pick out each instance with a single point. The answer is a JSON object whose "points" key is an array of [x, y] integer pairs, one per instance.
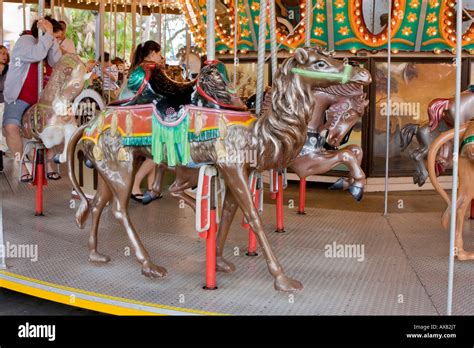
{"points": [[352, 25], [149, 6]]}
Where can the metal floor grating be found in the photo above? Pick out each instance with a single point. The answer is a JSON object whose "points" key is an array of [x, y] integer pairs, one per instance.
{"points": [[405, 255]]}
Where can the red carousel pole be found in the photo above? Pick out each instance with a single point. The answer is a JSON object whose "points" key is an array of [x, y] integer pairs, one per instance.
{"points": [[302, 200], [211, 283], [472, 209], [39, 181], [280, 228]]}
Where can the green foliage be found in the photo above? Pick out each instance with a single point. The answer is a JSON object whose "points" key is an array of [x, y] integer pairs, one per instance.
{"points": [[81, 29]]}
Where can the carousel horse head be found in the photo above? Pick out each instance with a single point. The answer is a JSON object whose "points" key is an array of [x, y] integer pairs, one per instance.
{"points": [[317, 67], [51, 120], [214, 89], [65, 84], [348, 109]]}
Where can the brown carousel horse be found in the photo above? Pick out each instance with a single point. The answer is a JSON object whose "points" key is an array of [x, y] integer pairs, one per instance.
{"points": [[277, 137], [51, 120], [466, 182], [440, 111], [337, 109]]}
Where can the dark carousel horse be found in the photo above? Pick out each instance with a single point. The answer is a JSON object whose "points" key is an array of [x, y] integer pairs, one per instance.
{"points": [[441, 111]]}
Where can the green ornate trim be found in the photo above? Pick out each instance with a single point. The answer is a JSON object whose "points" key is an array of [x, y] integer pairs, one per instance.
{"points": [[205, 135], [343, 77], [137, 141], [171, 143]]}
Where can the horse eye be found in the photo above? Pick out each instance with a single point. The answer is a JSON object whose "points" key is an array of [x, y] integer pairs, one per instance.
{"points": [[77, 85], [320, 64]]}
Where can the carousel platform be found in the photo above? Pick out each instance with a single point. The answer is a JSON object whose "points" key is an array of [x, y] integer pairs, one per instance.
{"points": [[404, 270]]}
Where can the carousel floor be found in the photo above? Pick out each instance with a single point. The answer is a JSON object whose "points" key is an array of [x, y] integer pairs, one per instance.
{"points": [[404, 271]]}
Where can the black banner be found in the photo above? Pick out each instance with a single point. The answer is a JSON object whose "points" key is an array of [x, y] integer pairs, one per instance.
{"points": [[191, 331]]}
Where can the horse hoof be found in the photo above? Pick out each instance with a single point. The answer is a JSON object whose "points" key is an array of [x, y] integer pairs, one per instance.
{"points": [[56, 159], [151, 270], [286, 284], [98, 257], [338, 185], [356, 192], [222, 265], [465, 255], [89, 164]]}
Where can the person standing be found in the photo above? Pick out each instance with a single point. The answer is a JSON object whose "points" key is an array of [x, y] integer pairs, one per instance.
{"points": [[4, 60], [21, 84], [66, 44]]}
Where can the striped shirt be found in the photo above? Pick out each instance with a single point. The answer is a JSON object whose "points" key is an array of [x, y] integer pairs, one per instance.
{"points": [[108, 83]]}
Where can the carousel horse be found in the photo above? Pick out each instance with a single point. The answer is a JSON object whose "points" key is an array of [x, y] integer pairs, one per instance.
{"points": [[466, 182], [440, 111], [51, 120], [337, 109], [206, 134]]}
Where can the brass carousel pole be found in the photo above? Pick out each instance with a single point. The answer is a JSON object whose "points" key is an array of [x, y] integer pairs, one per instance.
{"points": [[40, 64], [110, 28], [134, 24], [158, 24], [125, 32], [102, 41], [307, 41], [115, 30], [141, 21], [262, 33], [24, 14], [236, 44], [163, 48]]}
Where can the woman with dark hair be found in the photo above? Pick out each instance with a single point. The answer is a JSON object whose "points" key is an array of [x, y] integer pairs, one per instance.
{"points": [[148, 52], [4, 60], [21, 84]]}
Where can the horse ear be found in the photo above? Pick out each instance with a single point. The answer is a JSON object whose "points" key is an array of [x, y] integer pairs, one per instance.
{"points": [[301, 56]]}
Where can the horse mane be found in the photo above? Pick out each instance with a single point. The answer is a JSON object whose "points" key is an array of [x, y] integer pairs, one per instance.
{"points": [[436, 111], [214, 87], [281, 131]]}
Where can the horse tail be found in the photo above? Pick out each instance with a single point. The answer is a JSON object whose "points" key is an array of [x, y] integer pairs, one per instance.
{"points": [[436, 111], [406, 135], [83, 211], [432, 153]]}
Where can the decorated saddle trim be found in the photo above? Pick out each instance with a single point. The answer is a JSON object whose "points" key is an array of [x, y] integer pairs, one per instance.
{"points": [[206, 124], [196, 124], [133, 124], [143, 125]]}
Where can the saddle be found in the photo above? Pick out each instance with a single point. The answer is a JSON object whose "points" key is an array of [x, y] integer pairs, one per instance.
{"points": [[169, 135]]}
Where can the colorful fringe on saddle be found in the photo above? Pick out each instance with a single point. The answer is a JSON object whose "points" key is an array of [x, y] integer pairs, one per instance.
{"points": [[171, 142]]}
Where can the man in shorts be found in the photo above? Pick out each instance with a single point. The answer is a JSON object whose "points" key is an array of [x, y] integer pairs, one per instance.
{"points": [[21, 85]]}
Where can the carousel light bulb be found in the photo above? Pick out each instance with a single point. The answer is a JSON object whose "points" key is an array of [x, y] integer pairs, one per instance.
{"points": [[353, 50]]}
